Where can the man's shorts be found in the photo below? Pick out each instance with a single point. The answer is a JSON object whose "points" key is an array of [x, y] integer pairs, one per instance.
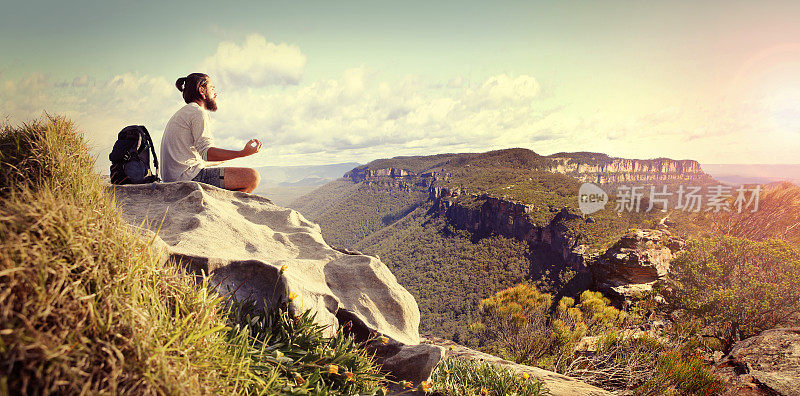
{"points": [[212, 176]]}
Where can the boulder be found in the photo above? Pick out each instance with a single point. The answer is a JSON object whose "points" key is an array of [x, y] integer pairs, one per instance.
{"points": [[635, 262], [768, 363], [255, 250]]}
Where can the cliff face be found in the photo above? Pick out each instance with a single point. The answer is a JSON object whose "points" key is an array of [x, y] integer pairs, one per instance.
{"points": [[608, 170], [392, 177], [621, 170], [510, 219]]}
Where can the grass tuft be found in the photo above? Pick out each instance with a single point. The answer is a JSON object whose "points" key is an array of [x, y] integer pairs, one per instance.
{"points": [[469, 377]]}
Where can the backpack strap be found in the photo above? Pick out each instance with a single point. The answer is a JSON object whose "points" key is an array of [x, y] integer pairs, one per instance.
{"points": [[152, 148]]}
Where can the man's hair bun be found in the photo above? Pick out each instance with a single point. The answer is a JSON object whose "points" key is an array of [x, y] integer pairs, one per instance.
{"points": [[180, 83]]}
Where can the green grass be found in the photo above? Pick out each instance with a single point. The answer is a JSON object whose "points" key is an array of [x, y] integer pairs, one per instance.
{"points": [[459, 377], [86, 307]]}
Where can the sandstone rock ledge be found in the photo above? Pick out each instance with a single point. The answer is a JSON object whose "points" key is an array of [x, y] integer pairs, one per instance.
{"points": [[766, 364], [258, 251]]}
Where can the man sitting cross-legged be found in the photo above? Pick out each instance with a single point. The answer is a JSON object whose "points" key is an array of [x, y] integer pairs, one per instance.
{"points": [[187, 145]]}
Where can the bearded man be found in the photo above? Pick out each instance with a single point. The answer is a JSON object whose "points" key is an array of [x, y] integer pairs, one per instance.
{"points": [[187, 147]]}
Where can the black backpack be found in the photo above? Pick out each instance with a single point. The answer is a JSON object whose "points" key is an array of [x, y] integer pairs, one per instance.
{"points": [[130, 157]]}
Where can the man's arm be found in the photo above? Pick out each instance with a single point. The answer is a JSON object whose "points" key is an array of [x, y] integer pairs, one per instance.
{"points": [[217, 154]]}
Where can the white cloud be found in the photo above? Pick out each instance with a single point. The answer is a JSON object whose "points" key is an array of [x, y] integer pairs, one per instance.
{"points": [[255, 63], [358, 113]]}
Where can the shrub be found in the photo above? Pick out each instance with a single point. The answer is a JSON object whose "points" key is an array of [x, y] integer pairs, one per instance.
{"points": [[518, 316], [679, 372], [736, 287], [617, 359]]}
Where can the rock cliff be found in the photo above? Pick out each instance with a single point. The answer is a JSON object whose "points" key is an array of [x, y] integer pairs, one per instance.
{"points": [[510, 219], [258, 251], [622, 170]]}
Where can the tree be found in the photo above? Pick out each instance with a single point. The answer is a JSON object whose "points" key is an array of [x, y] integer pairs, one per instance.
{"points": [[735, 286]]}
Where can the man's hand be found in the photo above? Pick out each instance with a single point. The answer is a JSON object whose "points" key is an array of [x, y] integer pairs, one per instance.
{"points": [[251, 147]]}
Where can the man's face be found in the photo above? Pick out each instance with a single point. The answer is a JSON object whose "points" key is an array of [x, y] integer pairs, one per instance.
{"points": [[210, 96]]}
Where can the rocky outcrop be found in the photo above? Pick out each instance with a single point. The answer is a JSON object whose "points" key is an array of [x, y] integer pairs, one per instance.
{"points": [[622, 170], [254, 250], [557, 384], [766, 364], [635, 262]]}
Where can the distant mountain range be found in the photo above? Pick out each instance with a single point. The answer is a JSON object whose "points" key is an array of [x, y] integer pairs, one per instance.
{"points": [[303, 175], [753, 173], [284, 184]]}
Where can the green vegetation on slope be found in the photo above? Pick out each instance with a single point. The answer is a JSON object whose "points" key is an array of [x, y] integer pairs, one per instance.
{"points": [[86, 307], [365, 211], [324, 198], [446, 271]]}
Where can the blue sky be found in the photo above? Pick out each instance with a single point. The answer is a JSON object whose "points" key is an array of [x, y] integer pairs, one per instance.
{"points": [[325, 82]]}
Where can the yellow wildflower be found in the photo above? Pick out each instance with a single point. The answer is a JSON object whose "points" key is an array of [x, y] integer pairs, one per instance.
{"points": [[425, 386], [383, 340], [292, 296], [283, 268], [526, 375], [333, 369], [349, 376], [484, 391]]}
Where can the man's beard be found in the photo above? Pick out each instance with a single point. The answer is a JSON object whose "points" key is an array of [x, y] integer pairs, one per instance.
{"points": [[211, 104]]}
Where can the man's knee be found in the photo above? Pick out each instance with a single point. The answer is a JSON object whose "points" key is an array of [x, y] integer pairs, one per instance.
{"points": [[255, 177]]}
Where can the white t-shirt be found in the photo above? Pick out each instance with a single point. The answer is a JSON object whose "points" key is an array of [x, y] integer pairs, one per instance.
{"points": [[185, 144]]}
